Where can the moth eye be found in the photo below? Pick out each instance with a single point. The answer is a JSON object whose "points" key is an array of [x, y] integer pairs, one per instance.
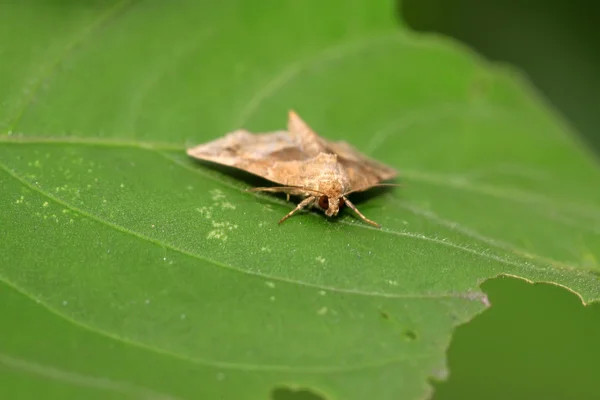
{"points": [[342, 202], [324, 202]]}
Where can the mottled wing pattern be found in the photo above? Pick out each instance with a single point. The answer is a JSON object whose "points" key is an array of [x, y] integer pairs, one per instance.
{"points": [[274, 156], [293, 157], [309, 174], [363, 172]]}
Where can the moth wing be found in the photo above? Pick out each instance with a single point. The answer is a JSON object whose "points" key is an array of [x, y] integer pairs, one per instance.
{"points": [[306, 173], [292, 157], [363, 172], [306, 138], [272, 156]]}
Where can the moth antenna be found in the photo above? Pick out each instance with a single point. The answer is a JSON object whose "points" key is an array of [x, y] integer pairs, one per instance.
{"points": [[353, 207], [304, 203]]}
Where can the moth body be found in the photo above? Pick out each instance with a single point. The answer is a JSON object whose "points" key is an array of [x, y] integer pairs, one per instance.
{"points": [[303, 163]]}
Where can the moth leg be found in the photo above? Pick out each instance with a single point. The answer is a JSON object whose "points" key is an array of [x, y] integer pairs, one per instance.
{"points": [[263, 189], [304, 203], [273, 189], [367, 220]]}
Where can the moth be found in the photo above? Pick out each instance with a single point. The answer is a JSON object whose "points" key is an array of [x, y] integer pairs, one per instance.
{"points": [[320, 171]]}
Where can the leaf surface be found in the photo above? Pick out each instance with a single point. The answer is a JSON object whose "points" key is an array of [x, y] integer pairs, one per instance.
{"points": [[150, 275]]}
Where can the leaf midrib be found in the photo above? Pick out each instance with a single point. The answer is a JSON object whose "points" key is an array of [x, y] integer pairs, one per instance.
{"points": [[266, 277], [160, 149]]}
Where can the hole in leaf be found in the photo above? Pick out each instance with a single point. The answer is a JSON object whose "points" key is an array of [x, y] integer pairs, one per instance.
{"points": [[535, 341], [287, 393], [409, 335]]}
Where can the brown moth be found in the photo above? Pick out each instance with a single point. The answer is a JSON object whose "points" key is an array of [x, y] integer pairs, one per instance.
{"points": [[305, 164]]}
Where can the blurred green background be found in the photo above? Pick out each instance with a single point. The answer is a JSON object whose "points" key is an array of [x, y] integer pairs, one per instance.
{"points": [[537, 341], [555, 43]]}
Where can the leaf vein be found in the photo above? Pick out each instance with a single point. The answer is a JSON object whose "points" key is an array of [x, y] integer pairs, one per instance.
{"points": [[293, 69], [47, 71], [247, 367], [455, 226], [78, 379], [456, 182], [247, 272]]}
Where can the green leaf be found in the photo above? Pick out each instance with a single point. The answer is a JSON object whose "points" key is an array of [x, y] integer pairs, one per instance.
{"points": [[130, 270]]}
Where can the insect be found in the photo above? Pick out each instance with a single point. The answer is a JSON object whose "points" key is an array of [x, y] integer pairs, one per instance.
{"points": [[323, 172]]}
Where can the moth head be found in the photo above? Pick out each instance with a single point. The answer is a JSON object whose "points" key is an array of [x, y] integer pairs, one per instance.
{"points": [[331, 204]]}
